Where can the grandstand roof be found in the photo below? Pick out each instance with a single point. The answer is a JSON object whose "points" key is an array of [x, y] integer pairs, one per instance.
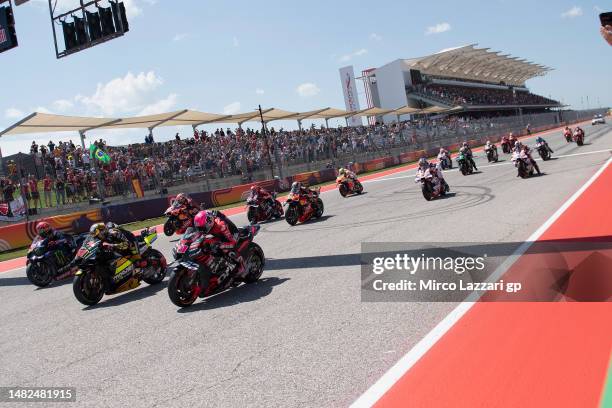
{"points": [[48, 123], [478, 64]]}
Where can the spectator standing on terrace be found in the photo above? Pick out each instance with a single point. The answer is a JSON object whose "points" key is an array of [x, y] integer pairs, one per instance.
{"points": [[60, 191], [34, 194], [47, 187], [34, 148]]}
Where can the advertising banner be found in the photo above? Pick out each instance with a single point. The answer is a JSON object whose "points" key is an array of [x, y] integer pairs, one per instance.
{"points": [[349, 89]]}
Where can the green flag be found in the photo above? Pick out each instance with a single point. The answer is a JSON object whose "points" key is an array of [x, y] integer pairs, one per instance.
{"points": [[96, 152]]}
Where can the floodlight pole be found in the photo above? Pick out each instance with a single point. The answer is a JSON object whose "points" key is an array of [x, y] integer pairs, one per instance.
{"points": [[265, 135], [82, 135]]}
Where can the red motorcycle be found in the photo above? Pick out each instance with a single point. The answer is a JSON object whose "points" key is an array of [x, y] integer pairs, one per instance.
{"points": [[178, 220], [260, 211], [347, 185], [196, 251], [579, 137], [569, 137], [302, 207]]}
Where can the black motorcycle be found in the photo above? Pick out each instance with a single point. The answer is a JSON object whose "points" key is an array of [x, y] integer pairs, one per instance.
{"points": [[465, 165], [492, 155], [104, 271], [45, 260], [543, 151]]}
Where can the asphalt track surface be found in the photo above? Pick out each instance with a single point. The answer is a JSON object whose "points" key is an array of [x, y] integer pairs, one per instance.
{"points": [[299, 337]]}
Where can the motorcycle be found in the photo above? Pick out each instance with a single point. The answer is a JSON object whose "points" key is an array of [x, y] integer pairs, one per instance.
{"points": [[543, 151], [259, 212], [298, 209], [348, 186], [103, 271], [44, 262], [569, 137], [178, 220], [492, 154], [523, 165], [428, 187], [196, 250], [505, 145], [445, 161], [579, 138], [465, 166]]}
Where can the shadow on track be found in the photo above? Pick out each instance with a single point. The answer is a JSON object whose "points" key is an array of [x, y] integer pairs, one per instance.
{"points": [[241, 294], [129, 296], [17, 281]]}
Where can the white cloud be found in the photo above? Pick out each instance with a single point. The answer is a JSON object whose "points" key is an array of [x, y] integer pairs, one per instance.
{"points": [[130, 93], [438, 28], [232, 109], [161, 106], [42, 109], [259, 91], [573, 12], [308, 89], [235, 42], [179, 37], [63, 105], [358, 53], [13, 113], [375, 37]]}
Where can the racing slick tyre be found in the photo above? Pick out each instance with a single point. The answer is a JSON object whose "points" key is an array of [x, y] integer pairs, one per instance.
{"points": [[169, 228], [254, 263], [157, 272], [88, 287], [358, 187], [181, 290], [278, 213], [291, 216], [40, 274], [320, 208], [251, 215], [426, 189], [343, 190]]}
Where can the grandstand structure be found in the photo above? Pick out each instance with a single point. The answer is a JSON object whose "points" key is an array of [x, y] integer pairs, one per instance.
{"points": [[479, 80]]}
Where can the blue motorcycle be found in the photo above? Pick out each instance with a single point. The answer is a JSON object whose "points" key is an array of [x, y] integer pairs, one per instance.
{"points": [[44, 260]]}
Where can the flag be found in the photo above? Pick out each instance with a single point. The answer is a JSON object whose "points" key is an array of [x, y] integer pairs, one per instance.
{"points": [[101, 155], [137, 188]]}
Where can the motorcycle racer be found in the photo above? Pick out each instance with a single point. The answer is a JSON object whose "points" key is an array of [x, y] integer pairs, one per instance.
{"points": [[55, 237], [425, 169], [263, 196], [541, 142], [217, 224], [525, 153], [187, 204], [467, 152]]}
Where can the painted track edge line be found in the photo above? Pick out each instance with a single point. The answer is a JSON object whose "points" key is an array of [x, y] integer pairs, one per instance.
{"points": [[399, 369]]}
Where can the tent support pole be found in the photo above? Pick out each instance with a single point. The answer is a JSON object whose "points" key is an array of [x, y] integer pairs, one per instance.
{"points": [[82, 135]]}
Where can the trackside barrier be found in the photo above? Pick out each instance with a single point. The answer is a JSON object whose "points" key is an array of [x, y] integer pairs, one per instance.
{"points": [[21, 234]]}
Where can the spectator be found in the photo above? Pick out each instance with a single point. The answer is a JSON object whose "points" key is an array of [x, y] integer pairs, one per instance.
{"points": [[60, 191], [34, 194], [47, 187]]}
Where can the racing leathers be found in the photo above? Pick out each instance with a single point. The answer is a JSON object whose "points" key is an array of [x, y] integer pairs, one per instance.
{"points": [[226, 231], [467, 152], [525, 153]]}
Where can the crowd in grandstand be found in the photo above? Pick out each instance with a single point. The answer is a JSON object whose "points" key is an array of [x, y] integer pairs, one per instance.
{"points": [[65, 173], [463, 95]]}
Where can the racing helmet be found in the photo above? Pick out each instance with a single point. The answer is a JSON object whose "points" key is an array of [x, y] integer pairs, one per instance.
{"points": [[43, 229], [295, 187], [99, 231], [204, 221], [182, 199], [423, 163], [342, 171], [111, 225]]}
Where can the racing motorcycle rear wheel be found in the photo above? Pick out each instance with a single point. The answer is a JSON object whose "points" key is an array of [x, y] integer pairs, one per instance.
{"points": [[320, 208], [156, 268]]}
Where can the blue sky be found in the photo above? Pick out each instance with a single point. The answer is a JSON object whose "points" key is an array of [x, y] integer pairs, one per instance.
{"points": [[231, 56]]}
